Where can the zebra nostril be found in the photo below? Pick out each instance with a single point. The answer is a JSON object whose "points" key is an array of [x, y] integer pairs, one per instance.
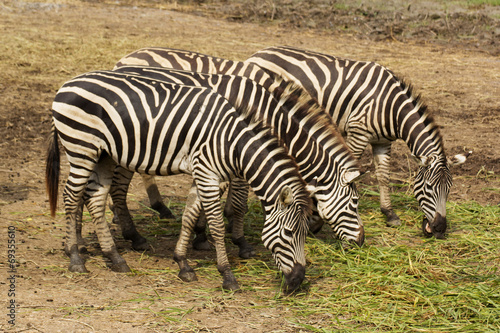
{"points": [[294, 279]]}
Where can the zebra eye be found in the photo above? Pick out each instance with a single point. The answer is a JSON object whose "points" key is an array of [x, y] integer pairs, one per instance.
{"points": [[288, 232]]}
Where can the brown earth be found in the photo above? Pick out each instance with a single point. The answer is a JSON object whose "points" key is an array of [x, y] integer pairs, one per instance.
{"points": [[44, 44]]}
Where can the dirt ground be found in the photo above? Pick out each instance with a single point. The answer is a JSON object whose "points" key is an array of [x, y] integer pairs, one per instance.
{"points": [[44, 44]]}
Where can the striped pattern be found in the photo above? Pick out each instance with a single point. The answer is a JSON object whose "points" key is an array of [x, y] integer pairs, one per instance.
{"points": [[336, 192], [195, 62], [304, 129], [371, 106], [105, 119]]}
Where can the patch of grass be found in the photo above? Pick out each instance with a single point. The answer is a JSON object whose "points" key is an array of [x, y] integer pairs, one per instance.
{"points": [[398, 281]]}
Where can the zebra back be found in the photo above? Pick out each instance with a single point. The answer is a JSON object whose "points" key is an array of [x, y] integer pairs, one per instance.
{"points": [[195, 62]]}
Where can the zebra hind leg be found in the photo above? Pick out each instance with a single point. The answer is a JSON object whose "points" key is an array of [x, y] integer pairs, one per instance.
{"points": [[73, 201], [82, 248], [381, 158], [191, 213], [118, 192], [201, 242], [99, 184], [155, 197]]}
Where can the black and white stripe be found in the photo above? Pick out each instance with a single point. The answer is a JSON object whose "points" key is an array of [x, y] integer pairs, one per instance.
{"points": [[372, 106], [105, 118]]}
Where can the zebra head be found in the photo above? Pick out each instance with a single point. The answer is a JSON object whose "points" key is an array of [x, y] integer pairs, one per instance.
{"points": [[336, 202], [284, 234], [432, 186]]}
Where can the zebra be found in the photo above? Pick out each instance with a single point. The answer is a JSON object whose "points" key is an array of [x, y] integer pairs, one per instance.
{"points": [[324, 160], [105, 118], [372, 106]]}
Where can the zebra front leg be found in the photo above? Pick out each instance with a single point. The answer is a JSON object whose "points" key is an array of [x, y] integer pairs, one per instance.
{"points": [[381, 158], [99, 185], [199, 221], [209, 195], [118, 192], [155, 197], [191, 213], [235, 210]]}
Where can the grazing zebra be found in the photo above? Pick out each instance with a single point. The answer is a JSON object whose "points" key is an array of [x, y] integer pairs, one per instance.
{"points": [[372, 106], [320, 152], [105, 118]]}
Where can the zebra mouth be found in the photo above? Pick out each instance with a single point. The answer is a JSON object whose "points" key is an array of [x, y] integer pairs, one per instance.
{"points": [[426, 227], [294, 279], [437, 229]]}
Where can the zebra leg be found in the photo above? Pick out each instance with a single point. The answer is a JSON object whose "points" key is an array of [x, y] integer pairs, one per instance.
{"points": [[99, 184], [73, 203], [209, 195], [155, 197], [80, 241], [200, 241], [118, 192], [197, 215], [381, 157], [191, 212], [235, 210]]}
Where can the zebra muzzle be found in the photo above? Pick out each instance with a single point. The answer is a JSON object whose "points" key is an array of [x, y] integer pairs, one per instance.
{"points": [[294, 279], [436, 228]]}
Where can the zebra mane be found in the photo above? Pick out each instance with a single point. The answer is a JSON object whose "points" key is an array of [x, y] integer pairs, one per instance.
{"points": [[422, 110], [258, 126], [308, 110]]}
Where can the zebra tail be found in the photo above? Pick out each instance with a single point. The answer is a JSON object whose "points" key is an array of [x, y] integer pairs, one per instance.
{"points": [[52, 168]]}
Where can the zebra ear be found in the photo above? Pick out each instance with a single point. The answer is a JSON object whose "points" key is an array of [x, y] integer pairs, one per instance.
{"points": [[458, 159], [311, 187], [423, 161], [286, 196], [353, 176]]}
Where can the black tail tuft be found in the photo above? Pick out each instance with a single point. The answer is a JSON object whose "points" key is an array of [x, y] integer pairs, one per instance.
{"points": [[52, 168]]}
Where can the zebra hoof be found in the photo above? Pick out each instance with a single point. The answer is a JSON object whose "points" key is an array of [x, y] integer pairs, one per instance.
{"points": [[120, 268], [229, 281], [77, 268], [247, 253], [246, 250], [140, 245], [164, 212], [393, 221], [82, 249], [201, 243], [188, 276], [231, 285]]}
